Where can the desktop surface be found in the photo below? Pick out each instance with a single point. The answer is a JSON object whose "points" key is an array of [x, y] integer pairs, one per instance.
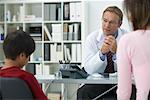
{"points": [[52, 79]]}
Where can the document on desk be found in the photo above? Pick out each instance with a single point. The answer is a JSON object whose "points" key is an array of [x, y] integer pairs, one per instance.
{"points": [[100, 76], [95, 76], [113, 74]]}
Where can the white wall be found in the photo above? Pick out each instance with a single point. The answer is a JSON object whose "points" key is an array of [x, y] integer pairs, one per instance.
{"points": [[95, 10]]}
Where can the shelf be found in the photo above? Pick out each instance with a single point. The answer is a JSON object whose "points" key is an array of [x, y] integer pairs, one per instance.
{"points": [[73, 41], [56, 26]]}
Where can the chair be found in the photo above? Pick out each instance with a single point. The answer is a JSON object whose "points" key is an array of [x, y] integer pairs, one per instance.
{"points": [[14, 89]]}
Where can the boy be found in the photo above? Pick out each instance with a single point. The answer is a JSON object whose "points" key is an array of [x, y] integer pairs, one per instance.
{"points": [[18, 46]]}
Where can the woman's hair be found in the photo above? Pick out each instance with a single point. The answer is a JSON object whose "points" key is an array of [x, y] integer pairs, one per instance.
{"points": [[115, 10], [138, 12], [18, 42]]}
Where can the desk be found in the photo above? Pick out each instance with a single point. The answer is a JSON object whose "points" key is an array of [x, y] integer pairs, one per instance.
{"points": [[51, 79], [112, 80]]}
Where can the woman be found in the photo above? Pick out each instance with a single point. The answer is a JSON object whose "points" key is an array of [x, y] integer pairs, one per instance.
{"points": [[133, 54]]}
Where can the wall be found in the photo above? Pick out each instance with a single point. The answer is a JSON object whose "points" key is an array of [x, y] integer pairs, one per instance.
{"points": [[95, 10]]}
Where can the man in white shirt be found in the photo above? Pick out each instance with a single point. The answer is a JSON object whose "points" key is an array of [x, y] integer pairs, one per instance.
{"points": [[97, 46]]}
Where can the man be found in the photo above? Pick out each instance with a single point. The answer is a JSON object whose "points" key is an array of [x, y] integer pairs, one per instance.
{"points": [[100, 53]]}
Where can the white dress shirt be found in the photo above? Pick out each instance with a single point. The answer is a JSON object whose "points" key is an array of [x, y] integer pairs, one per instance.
{"points": [[91, 56]]}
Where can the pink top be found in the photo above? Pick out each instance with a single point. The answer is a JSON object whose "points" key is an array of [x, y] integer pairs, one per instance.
{"points": [[133, 56]]}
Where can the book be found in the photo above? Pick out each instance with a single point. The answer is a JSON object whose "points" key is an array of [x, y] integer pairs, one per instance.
{"points": [[74, 52], [52, 12], [57, 37], [30, 68], [36, 32], [66, 11], [58, 12], [47, 52], [38, 69], [65, 53], [76, 31], [47, 32], [70, 33], [59, 54], [53, 52], [47, 12], [68, 54], [46, 70], [56, 32], [72, 11], [56, 28], [75, 11], [79, 55], [65, 31], [78, 10]]}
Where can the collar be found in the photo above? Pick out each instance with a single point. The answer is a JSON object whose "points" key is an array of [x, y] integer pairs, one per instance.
{"points": [[116, 34]]}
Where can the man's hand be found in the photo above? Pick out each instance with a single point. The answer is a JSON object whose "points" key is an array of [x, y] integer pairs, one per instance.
{"points": [[109, 44], [105, 48], [113, 45]]}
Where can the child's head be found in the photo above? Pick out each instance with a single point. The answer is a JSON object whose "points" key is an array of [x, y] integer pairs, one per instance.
{"points": [[16, 43]]}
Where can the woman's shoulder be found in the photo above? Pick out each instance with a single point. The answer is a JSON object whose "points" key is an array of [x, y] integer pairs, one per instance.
{"points": [[134, 34], [128, 38]]}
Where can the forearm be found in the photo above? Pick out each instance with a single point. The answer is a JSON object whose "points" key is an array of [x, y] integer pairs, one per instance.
{"points": [[94, 64]]}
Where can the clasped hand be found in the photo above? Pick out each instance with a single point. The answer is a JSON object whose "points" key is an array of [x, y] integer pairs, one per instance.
{"points": [[109, 44]]}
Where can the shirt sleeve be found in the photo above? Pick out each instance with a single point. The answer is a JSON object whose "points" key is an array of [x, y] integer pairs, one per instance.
{"points": [[114, 57], [91, 59], [124, 70], [35, 87], [102, 56]]}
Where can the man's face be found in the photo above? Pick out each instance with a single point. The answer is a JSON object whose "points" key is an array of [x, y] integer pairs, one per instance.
{"points": [[110, 23]]}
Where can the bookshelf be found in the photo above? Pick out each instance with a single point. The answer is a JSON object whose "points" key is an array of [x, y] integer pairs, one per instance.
{"points": [[57, 26]]}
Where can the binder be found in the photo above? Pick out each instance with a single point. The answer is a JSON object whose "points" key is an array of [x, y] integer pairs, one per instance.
{"points": [[47, 52]]}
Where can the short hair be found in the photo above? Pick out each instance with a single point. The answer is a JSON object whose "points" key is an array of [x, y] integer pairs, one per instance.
{"points": [[138, 13], [115, 10], [18, 42]]}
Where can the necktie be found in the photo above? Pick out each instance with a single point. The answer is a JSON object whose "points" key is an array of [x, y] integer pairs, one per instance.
{"points": [[110, 63]]}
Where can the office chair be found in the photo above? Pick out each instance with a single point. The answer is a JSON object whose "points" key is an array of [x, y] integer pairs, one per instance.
{"points": [[14, 89]]}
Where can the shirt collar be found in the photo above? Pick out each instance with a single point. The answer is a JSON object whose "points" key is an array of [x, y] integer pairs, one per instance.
{"points": [[116, 34]]}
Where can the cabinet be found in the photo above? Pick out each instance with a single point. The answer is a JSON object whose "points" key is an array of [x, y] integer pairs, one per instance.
{"points": [[57, 26]]}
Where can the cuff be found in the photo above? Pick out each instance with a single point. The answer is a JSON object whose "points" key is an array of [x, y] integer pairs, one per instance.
{"points": [[102, 56], [114, 57]]}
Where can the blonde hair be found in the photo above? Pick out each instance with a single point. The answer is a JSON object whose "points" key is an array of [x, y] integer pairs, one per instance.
{"points": [[115, 10]]}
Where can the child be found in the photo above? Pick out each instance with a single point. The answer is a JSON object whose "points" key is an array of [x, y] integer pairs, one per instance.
{"points": [[18, 46]]}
